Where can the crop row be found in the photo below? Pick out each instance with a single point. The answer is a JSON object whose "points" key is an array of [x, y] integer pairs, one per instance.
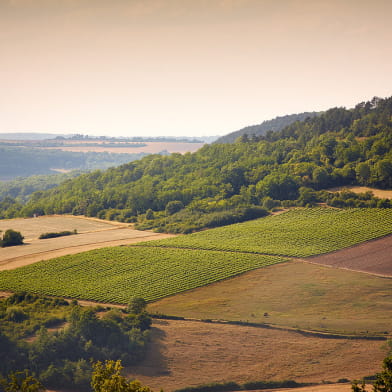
{"points": [[118, 274], [297, 233]]}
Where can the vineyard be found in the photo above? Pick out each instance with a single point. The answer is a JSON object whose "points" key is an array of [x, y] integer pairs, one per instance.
{"points": [[160, 268], [118, 274], [296, 233]]}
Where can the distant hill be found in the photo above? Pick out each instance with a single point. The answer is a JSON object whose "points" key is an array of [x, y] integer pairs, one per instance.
{"points": [[274, 125], [224, 183], [27, 136]]}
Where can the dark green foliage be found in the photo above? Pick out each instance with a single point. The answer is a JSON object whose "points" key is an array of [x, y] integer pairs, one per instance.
{"points": [[11, 238], [21, 382], [62, 359], [57, 234], [137, 305], [213, 387], [233, 386], [190, 220], [339, 147], [173, 206]]}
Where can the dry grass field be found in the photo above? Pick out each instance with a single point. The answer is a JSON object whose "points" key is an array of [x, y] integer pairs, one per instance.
{"points": [[185, 353], [294, 294], [92, 234], [381, 193], [31, 228]]}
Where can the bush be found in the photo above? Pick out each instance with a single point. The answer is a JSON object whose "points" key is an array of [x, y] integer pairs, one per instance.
{"points": [[15, 314], [11, 238], [58, 234]]}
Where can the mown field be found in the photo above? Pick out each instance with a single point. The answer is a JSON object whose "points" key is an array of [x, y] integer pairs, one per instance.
{"points": [[296, 233], [117, 274], [92, 234], [294, 294], [31, 228], [185, 353]]}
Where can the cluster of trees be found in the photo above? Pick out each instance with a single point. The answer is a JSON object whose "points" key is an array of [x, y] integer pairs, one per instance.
{"points": [[288, 167], [106, 377], [63, 358]]}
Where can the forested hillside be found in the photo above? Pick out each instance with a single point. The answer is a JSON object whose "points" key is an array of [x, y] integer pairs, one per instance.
{"points": [[27, 161], [22, 187], [274, 125], [225, 183]]}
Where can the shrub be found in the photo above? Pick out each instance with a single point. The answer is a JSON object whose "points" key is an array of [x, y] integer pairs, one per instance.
{"points": [[11, 238], [15, 314], [58, 234]]}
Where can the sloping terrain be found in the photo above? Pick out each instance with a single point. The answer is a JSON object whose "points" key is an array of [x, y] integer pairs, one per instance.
{"points": [[294, 294], [373, 257], [184, 353], [298, 233], [92, 234]]}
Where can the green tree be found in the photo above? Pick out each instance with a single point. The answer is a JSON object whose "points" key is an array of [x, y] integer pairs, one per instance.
{"points": [[137, 305], [21, 382], [107, 378], [363, 173], [149, 214], [11, 238], [173, 206]]}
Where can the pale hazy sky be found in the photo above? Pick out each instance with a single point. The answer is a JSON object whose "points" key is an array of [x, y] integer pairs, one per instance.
{"points": [[186, 67]]}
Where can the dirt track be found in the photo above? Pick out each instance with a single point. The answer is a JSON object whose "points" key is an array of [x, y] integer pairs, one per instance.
{"points": [[374, 257], [184, 353]]}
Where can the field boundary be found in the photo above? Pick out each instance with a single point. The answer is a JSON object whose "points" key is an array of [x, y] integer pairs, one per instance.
{"points": [[303, 332]]}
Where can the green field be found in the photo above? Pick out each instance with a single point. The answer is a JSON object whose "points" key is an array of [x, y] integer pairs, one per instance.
{"points": [[296, 233], [120, 273]]}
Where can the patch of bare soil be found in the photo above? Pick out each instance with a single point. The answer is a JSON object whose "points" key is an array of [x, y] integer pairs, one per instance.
{"points": [[374, 257], [186, 353], [381, 193]]}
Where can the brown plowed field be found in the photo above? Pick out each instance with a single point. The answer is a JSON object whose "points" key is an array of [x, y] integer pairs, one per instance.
{"points": [[374, 257], [185, 353]]}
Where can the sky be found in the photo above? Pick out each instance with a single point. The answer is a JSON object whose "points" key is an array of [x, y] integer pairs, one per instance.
{"points": [[186, 67]]}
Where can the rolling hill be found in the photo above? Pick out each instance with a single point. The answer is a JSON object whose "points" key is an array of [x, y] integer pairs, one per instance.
{"points": [[274, 125], [226, 183]]}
